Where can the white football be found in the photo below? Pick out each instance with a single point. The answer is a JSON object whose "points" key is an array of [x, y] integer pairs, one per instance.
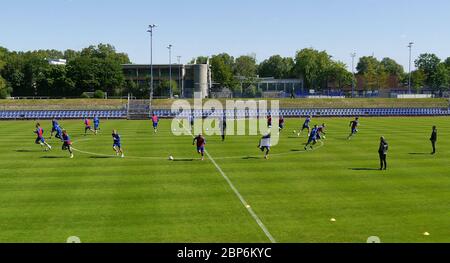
{"points": [[170, 158]]}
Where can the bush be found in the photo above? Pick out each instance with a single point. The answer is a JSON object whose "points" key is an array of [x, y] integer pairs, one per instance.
{"points": [[85, 95], [99, 94]]}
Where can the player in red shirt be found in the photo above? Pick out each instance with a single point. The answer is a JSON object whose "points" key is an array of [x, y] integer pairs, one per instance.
{"points": [[201, 142]]}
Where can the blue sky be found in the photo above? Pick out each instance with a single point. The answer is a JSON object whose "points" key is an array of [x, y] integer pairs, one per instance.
{"points": [[205, 27]]}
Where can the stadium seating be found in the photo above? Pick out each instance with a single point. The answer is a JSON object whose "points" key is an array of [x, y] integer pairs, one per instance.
{"points": [[78, 114], [122, 114]]}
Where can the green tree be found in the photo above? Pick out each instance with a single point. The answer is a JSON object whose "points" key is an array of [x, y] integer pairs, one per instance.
{"points": [[222, 71], [428, 63], [392, 67], [440, 78], [312, 65], [417, 79], [337, 72], [277, 67]]}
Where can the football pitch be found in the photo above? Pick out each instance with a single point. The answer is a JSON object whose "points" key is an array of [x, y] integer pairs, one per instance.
{"points": [[237, 196]]}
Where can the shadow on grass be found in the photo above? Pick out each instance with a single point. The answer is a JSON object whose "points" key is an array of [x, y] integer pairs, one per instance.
{"points": [[296, 150], [419, 153], [102, 157], [250, 158], [53, 157], [183, 160], [27, 151], [363, 169]]}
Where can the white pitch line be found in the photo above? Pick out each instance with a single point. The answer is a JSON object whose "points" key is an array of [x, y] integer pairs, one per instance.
{"points": [[241, 198]]}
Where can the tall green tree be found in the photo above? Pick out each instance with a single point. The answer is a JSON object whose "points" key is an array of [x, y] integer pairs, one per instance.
{"points": [[222, 71], [392, 67], [277, 67], [440, 78], [312, 65], [428, 63]]}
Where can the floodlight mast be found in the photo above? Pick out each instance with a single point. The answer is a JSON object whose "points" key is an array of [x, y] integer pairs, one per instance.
{"points": [[170, 70], [150, 30], [353, 55], [409, 78]]}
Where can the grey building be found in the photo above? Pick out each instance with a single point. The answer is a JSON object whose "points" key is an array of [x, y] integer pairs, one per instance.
{"points": [[189, 78]]}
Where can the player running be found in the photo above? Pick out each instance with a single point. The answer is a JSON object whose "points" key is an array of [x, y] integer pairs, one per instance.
{"points": [[155, 121], [354, 125], [87, 126], [264, 144], [269, 121], [312, 140], [54, 125], [96, 124], [201, 142], [40, 137], [321, 132], [117, 147], [67, 143], [59, 132], [281, 123], [306, 125]]}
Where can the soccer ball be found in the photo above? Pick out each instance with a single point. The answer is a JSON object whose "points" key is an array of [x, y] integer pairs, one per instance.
{"points": [[170, 158], [294, 132]]}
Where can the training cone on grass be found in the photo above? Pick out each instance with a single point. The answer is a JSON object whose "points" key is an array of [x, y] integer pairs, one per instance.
{"points": [[333, 220], [426, 234]]}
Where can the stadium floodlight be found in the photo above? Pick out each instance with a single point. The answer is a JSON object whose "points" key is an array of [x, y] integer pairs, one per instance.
{"points": [[353, 55], [169, 47], [409, 78], [150, 30], [180, 85]]}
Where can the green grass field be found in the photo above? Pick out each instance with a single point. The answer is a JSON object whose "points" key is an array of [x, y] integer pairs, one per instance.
{"points": [[47, 197]]}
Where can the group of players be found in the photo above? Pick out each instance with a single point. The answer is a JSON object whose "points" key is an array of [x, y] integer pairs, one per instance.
{"points": [[314, 134], [62, 135]]}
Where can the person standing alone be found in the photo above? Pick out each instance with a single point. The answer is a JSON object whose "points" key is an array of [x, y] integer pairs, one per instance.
{"points": [[382, 151], [433, 139]]}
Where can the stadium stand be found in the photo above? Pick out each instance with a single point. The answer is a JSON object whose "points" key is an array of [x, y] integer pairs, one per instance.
{"points": [[122, 114]]}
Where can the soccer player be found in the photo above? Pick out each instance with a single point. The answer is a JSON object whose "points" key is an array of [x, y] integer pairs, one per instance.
{"points": [[321, 132], [96, 124], [264, 144], [382, 151], [67, 143], [191, 120], [306, 125], [354, 125], [54, 125], [59, 132], [87, 126], [201, 142], [155, 121], [269, 121], [117, 147], [433, 139], [223, 127], [40, 137], [312, 140], [281, 123]]}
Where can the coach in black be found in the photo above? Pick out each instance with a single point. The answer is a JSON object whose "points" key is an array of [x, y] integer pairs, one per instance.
{"points": [[433, 139], [382, 151]]}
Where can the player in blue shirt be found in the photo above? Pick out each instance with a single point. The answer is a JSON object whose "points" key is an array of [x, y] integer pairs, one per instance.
{"points": [[96, 124], [59, 132], [40, 137], [306, 125], [54, 125], [312, 140], [354, 128], [116, 144], [67, 143]]}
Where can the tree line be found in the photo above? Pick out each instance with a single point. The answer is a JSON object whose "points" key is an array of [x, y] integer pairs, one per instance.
{"points": [[320, 71], [95, 68], [99, 68]]}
